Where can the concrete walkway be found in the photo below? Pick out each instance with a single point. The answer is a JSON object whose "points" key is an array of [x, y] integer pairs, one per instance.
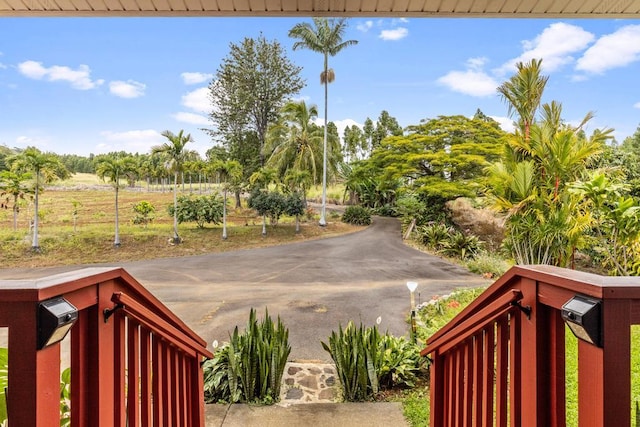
{"points": [[315, 414]]}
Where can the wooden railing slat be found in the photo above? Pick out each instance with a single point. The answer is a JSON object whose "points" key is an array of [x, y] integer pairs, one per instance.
{"points": [[146, 358], [133, 373]]}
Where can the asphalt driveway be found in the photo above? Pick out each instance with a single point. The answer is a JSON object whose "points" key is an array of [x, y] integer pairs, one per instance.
{"points": [[314, 286]]}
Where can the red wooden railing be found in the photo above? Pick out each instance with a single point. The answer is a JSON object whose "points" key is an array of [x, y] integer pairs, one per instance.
{"points": [[139, 366], [501, 361]]}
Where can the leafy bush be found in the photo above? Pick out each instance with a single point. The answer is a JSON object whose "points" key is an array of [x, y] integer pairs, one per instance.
{"points": [[432, 235], [386, 210], [399, 363], [250, 366], [356, 215], [459, 245], [488, 264], [65, 398], [294, 205], [144, 213], [271, 204], [366, 360], [199, 209]]}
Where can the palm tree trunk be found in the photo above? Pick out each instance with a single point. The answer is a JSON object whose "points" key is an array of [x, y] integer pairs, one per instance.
{"points": [[35, 245], [224, 215], [15, 213], [176, 238], [116, 241], [323, 220]]}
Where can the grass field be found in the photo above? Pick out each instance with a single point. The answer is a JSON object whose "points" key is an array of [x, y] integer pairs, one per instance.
{"points": [[90, 240]]}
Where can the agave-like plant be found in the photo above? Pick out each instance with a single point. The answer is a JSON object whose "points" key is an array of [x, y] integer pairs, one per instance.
{"points": [[250, 367]]}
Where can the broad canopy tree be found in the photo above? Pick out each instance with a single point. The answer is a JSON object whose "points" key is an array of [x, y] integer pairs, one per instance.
{"points": [[440, 158], [251, 85]]}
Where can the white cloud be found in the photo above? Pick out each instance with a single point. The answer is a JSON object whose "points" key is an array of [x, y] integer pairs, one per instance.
{"points": [[79, 79], [24, 141], [128, 89], [364, 26], [195, 78], [505, 123], [636, 105], [191, 118], [395, 34], [198, 100], [470, 82], [340, 124], [612, 51], [133, 141], [396, 21], [2, 66], [554, 45]]}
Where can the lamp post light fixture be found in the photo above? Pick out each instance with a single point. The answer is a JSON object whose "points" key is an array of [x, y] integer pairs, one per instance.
{"points": [[412, 286]]}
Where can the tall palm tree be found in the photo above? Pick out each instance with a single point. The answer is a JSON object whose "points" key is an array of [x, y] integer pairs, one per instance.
{"points": [[295, 142], [13, 188], [114, 169], [230, 172], [176, 153], [523, 93], [46, 168], [324, 36]]}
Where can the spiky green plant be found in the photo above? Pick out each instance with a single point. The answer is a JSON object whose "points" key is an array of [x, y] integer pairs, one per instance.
{"points": [[250, 367], [459, 245], [432, 235]]}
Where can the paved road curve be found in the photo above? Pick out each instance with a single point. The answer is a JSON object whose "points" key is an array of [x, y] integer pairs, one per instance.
{"points": [[313, 285]]}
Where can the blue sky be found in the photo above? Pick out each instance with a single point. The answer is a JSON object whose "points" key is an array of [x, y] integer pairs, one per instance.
{"points": [[94, 85]]}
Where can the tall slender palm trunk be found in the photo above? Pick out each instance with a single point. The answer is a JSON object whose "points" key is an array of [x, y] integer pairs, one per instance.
{"points": [[35, 244], [176, 238], [323, 220], [116, 241]]}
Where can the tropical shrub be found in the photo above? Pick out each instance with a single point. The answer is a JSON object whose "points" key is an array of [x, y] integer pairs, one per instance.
{"points": [[144, 213], [271, 204], [367, 361], [199, 209], [432, 235], [488, 264], [399, 363], [356, 215], [65, 398], [250, 366], [459, 245]]}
